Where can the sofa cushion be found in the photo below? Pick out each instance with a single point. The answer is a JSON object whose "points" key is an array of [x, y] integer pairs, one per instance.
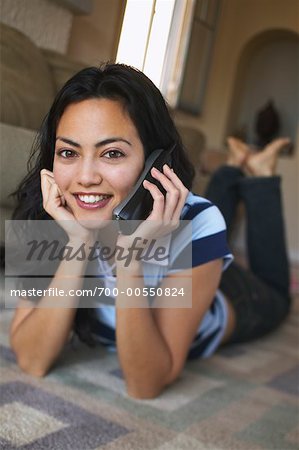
{"points": [[26, 80], [15, 148], [62, 67]]}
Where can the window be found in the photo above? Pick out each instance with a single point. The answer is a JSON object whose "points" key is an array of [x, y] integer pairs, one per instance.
{"points": [[199, 56], [171, 42], [154, 38]]}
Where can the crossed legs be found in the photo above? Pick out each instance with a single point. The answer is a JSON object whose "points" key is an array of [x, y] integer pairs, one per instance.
{"points": [[258, 299]]}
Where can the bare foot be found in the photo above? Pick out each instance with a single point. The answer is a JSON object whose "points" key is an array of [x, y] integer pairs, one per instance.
{"points": [[263, 164], [238, 152]]}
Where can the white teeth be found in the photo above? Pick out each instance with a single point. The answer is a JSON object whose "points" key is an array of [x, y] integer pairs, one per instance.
{"points": [[92, 198]]}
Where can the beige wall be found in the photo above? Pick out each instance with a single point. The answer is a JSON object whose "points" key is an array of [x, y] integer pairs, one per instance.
{"points": [[94, 38], [240, 22]]}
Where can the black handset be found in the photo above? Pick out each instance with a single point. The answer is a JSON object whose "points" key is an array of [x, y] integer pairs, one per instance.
{"points": [[139, 203]]}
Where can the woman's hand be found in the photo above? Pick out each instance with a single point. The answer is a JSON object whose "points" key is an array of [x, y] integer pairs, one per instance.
{"points": [[55, 205], [166, 210], [165, 215]]}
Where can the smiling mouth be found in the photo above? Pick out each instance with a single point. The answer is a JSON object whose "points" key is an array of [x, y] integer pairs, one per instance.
{"points": [[92, 198], [92, 201]]}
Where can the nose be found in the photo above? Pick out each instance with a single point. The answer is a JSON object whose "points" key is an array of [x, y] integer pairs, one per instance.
{"points": [[88, 173]]}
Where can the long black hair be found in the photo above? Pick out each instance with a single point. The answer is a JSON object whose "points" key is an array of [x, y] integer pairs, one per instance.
{"points": [[148, 111]]}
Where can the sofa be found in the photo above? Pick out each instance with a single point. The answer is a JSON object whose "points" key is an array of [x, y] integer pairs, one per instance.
{"points": [[30, 78]]}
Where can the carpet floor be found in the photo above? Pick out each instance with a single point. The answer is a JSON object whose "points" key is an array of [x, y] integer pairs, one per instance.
{"points": [[245, 397]]}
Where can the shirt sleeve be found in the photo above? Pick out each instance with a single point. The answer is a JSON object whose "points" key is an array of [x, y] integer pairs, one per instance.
{"points": [[205, 239]]}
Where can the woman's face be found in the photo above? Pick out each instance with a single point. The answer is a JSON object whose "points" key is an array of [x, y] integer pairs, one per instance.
{"points": [[98, 158]]}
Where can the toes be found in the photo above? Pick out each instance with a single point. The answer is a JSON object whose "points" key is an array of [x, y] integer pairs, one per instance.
{"points": [[277, 145]]}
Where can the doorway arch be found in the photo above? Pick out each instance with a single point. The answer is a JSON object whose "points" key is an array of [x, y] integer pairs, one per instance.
{"points": [[268, 68]]}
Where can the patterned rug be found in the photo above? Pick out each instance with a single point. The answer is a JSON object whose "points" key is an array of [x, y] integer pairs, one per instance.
{"points": [[243, 398]]}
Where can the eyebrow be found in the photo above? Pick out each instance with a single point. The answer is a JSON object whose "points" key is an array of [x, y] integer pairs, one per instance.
{"points": [[98, 144]]}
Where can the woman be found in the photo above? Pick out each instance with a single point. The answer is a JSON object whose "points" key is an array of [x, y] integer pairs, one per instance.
{"points": [[93, 144]]}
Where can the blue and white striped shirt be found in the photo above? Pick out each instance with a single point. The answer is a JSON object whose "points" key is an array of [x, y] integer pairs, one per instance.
{"points": [[204, 242]]}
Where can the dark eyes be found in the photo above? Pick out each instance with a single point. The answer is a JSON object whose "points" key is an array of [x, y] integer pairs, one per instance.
{"points": [[111, 154], [67, 153]]}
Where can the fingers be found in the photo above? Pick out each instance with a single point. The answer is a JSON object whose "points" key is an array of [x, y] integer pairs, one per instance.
{"points": [[181, 189], [47, 172], [158, 205], [167, 208], [172, 194], [52, 196], [55, 196], [45, 186], [55, 205]]}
